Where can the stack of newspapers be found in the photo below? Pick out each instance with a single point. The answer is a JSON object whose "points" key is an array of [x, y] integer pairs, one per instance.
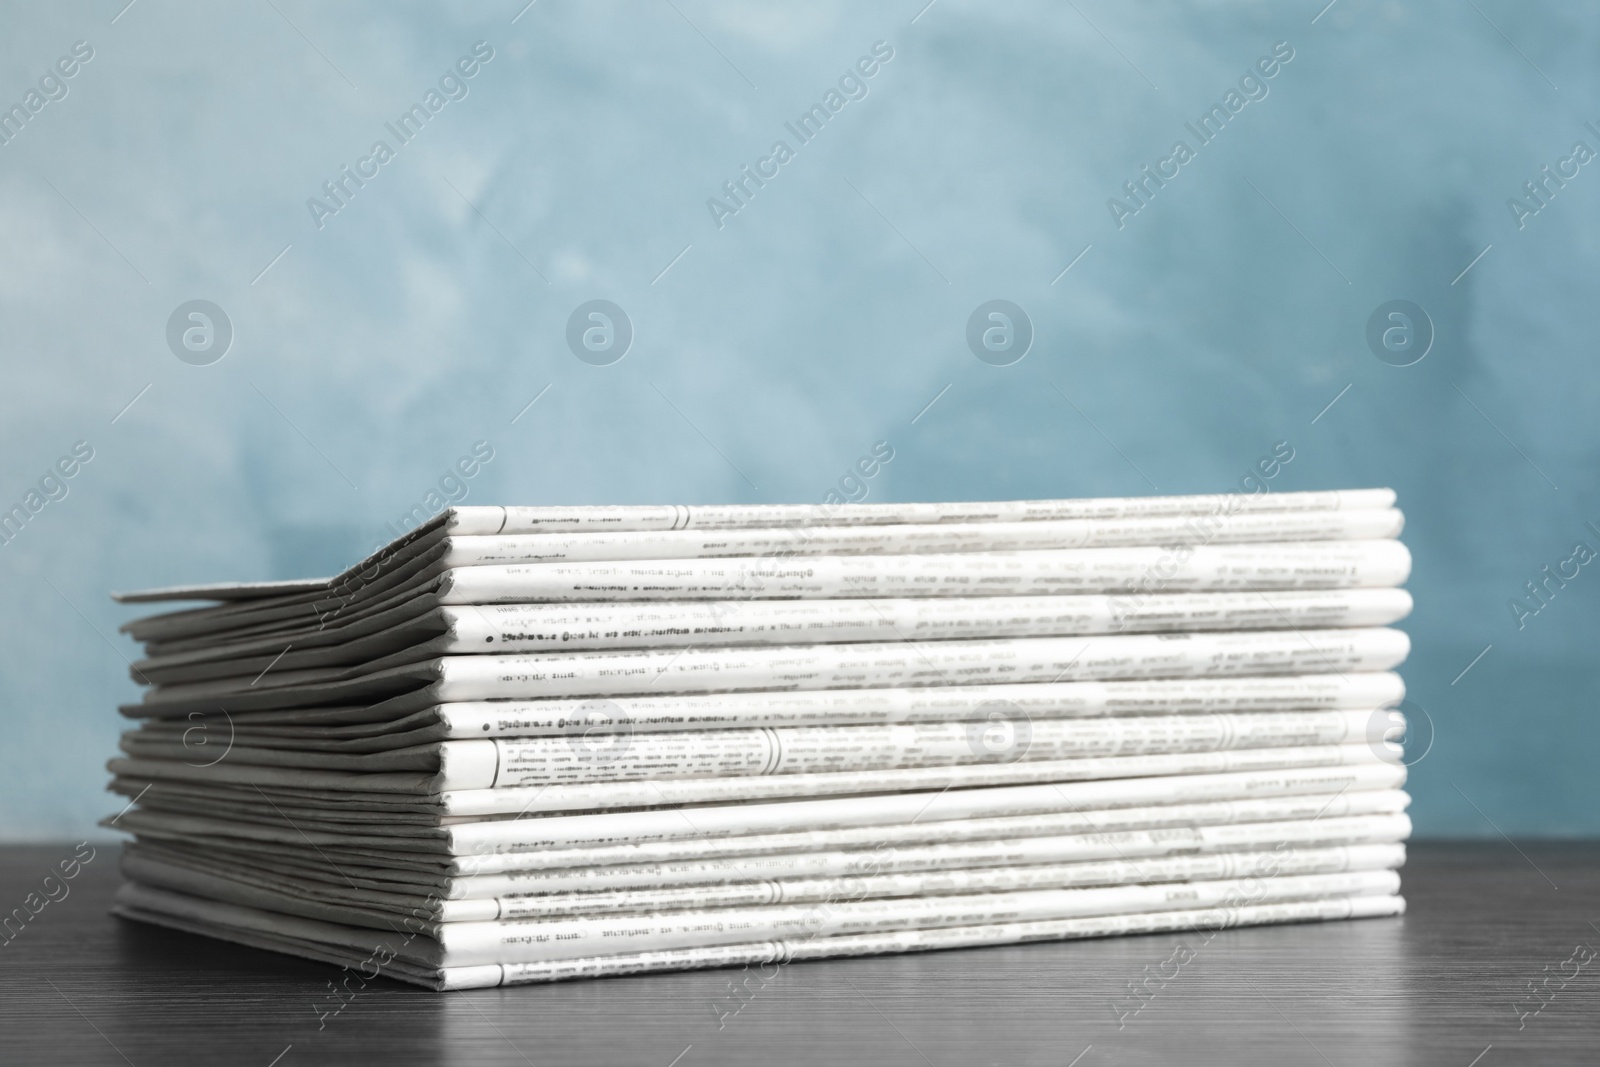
{"points": [[521, 744]]}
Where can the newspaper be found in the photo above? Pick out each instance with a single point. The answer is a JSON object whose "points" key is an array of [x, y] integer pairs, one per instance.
{"points": [[382, 910], [387, 820], [1005, 735], [620, 888], [372, 587], [1315, 565], [728, 516], [533, 940], [318, 941], [1104, 833], [927, 796], [523, 744], [511, 942], [1057, 837], [611, 795], [413, 687], [480, 837], [1205, 921], [503, 628], [591, 721], [481, 521], [780, 543], [537, 627], [1132, 573], [1354, 857]]}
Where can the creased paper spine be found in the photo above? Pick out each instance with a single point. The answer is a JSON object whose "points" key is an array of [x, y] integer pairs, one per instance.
{"points": [[675, 624], [1096, 833], [1004, 735], [770, 956], [525, 942], [1131, 571], [865, 707], [945, 879], [950, 793], [921, 663], [505, 520], [784, 542], [1008, 813], [601, 796], [384, 910]]}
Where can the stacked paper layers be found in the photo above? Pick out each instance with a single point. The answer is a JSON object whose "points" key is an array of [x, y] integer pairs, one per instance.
{"points": [[526, 744]]}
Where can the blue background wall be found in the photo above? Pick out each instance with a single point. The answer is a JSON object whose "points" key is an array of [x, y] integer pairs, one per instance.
{"points": [[823, 317]]}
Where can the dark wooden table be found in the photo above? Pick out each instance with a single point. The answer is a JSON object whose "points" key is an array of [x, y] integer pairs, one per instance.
{"points": [[1447, 984]]}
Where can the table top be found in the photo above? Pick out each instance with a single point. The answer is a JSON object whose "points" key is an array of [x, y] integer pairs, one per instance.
{"points": [[1449, 983]]}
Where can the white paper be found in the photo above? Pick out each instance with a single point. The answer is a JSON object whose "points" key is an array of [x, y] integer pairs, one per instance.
{"points": [[383, 910], [323, 941], [1104, 833], [483, 944], [779, 543]]}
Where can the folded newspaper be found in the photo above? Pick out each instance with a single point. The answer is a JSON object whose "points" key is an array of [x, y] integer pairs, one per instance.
{"points": [[526, 744]]}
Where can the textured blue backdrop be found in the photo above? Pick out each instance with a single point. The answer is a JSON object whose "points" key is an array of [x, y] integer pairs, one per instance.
{"points": [[379, 336]]}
